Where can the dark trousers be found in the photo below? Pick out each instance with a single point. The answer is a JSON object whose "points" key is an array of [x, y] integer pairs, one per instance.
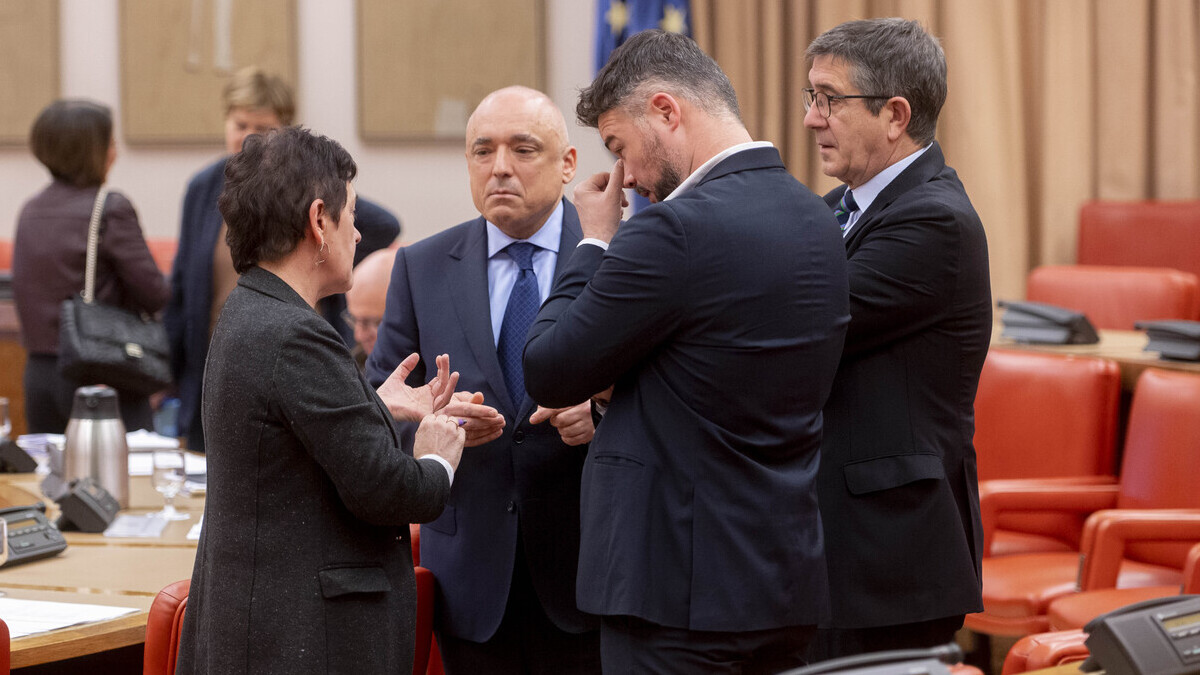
{"points": [[49, 397], [526, 642], [834, 642], [632, 645]]}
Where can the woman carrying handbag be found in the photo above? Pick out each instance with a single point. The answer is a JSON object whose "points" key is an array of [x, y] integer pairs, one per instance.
{"points": [[73, 139]]}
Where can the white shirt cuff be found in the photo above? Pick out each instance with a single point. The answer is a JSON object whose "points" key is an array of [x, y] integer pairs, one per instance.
{"points": [[442, 460], [593, 242]]}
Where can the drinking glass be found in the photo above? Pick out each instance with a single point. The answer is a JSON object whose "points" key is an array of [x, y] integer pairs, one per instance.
{"points": [[168, 476], [5, 422], [3, 542]]}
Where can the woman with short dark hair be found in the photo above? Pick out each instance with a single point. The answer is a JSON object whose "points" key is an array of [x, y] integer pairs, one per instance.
{"points": [[73, 139], [255, 102], [305, 563]]}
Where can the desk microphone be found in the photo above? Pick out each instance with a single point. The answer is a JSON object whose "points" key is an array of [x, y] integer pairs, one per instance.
{"points": [[899, 660]]}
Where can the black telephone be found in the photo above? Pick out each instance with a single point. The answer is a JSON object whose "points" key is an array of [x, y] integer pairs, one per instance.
{"points": [[1038, 322], [14, 459], [86, 507], [1153, 637], [1177, 339], [30, 534]]}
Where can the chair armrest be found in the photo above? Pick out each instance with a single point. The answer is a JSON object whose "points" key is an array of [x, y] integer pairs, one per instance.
{"points": [[1036, 494], [1106, 534], [1191, 571]]}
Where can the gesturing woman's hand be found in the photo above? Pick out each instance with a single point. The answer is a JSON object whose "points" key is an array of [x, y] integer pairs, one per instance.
{"points": [[411, 404]]}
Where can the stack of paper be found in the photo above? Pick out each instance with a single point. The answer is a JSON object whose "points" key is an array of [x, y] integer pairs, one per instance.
{"points": [[26, 617]]}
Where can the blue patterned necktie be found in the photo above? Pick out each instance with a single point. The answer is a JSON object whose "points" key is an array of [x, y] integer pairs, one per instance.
{"points": [[844, 208], [522, 307]]}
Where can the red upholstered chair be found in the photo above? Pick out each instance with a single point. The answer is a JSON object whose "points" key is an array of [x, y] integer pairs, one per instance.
{"points": [[1142, 527], [163, 251], [424, 636], [5, 649], [6, 255], [1045, 650], [414, 533], [435, 660], [1075, 610], [1116, 297], [1142, 234], [163, 627], [1045, 416]]}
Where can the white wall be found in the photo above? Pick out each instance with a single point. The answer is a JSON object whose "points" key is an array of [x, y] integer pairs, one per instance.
{"points": [[425, 184]]}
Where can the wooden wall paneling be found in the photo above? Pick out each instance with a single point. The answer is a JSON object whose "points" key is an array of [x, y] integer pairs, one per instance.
{"points": [[423, 65], [28, 65], [177, 55]]}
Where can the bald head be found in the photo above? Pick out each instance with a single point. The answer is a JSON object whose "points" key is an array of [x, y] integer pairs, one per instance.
{"points": [[367, 298], [519, 158], [523, 102]]}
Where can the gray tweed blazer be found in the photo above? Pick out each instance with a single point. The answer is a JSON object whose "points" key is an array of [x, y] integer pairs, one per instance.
{"points": [[304, 564]]}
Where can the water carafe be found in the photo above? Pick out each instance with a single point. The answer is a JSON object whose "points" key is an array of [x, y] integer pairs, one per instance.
{"points": [[95, 442]]}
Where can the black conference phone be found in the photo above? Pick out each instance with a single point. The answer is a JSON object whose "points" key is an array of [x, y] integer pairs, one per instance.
{"points": [[30, 534], [1154, 637], [86, 507]]}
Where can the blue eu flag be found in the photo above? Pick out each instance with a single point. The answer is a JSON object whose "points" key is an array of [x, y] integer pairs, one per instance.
{"points": [[616, 20]]}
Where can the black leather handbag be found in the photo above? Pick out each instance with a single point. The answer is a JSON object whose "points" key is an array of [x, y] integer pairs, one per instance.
{"points": [[101, 344]]}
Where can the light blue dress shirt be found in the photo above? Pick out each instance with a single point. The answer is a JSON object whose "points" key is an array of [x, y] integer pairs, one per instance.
{"points": [[503, 270]]}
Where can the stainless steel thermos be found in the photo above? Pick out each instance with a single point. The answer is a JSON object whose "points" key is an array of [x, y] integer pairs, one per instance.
{"points": [[95, 442]]}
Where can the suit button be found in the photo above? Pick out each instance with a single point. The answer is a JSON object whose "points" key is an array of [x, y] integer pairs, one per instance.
{"points": [[512, 507], [518, 436]]}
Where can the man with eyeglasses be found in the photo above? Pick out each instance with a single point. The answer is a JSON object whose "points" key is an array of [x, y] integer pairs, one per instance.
{"points": [[897, 484], [366, 300]]}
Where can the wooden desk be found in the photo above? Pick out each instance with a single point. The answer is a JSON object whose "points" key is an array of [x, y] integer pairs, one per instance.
{"points": [[1123, 346], [104, 571]]}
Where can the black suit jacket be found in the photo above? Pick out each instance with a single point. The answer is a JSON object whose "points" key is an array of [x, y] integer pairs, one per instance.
{"points": [[898, 485], [719, 316], [527, 480], [304, 564]]}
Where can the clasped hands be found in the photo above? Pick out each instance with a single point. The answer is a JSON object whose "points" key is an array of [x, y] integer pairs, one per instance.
{"points": [[481, 423]]}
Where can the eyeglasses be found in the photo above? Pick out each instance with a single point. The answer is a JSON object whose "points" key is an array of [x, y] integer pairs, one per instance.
{"points": [[824, 101], [365, 322]]}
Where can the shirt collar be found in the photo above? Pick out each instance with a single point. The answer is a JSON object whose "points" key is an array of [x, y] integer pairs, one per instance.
{"points": [[867, 192], [547, 237], [699, 174]]}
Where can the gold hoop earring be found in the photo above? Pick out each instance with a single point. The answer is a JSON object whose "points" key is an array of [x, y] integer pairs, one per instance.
{"points": [[323, 253]]}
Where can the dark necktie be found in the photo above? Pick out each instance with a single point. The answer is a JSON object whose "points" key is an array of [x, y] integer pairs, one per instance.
{"points": [[844, 208], [518, 317]]}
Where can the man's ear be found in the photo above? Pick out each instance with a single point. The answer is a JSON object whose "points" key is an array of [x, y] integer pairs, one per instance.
{"points": [[663, 108], [569, 164], [899, 114]]}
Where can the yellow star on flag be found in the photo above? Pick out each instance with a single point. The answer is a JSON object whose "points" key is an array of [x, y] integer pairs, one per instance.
{"points": [[617, 17], [674, 20]]}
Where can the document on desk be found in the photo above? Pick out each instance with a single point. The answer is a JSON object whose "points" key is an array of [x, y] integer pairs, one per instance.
{"points": [[26, 617]]}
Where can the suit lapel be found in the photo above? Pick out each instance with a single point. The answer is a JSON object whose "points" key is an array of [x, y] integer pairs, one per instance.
{"points": [[468, 267], [919, 172], [571, 236]]}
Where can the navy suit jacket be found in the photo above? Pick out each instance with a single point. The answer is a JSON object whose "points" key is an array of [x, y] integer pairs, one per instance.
{"points": [[898, 484], [526, 481], [188, 311], [719, 317]]}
